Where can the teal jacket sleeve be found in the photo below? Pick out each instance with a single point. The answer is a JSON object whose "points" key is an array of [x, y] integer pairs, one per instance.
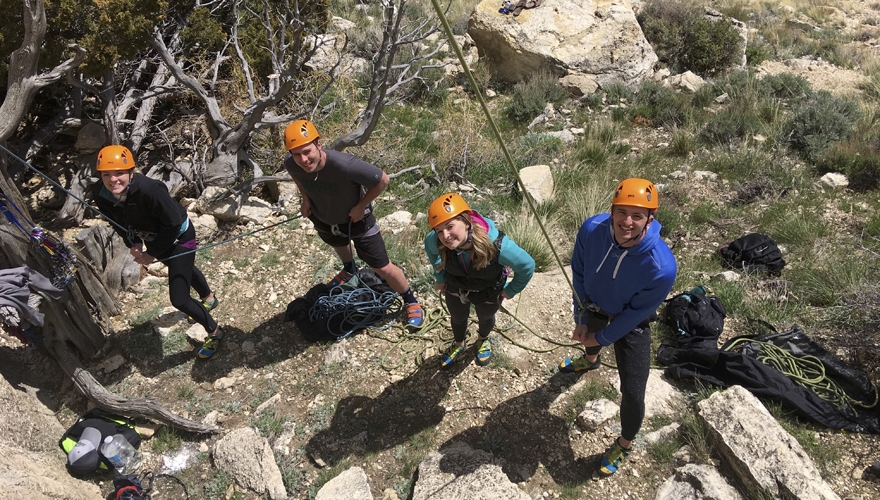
{"points": [[522, 264], [431, 242]]}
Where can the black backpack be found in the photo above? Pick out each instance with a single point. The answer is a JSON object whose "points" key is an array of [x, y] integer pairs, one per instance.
{"points": [[695, 317], [753, 253]]}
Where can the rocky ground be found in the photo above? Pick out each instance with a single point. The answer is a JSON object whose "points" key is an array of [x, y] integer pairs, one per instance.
{"points": [[377, 399]]}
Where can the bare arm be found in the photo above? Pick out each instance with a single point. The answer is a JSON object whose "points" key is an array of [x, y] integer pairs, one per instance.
{"points": [[357, 212]]}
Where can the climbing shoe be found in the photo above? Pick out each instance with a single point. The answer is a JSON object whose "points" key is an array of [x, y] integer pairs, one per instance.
{"points": [[209, 347], [340, 279], [612, 458], [454, 351], [484, 351], [210, 306], [579, 364], [414, 315]]}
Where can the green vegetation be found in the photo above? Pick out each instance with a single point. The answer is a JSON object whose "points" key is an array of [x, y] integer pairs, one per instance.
{"points": [[685, 39]]}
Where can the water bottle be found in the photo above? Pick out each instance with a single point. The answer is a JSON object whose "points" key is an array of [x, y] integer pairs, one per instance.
{"points": [[121, 454]]}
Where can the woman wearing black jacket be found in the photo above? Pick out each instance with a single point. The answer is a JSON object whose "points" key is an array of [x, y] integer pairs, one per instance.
{"points": [[152, 219]]}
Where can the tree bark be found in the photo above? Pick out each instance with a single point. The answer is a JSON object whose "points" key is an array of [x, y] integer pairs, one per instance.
{"points": [[106, 400], [24, 81], [73, 211]]}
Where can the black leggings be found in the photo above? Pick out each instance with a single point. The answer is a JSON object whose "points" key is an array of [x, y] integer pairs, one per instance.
{"points": [[633, 354], [183, 274], [458, 315]]}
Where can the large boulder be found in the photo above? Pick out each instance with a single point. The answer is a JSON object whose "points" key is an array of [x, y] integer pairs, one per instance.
{"points": [[762, 455], [597, 39]]}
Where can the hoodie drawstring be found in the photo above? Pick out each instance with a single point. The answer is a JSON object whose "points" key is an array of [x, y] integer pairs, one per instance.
{"points": [[619, 261]]}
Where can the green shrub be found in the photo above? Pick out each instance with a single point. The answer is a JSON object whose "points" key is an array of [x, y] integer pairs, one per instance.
{"points": [[859, 160], [731, 125], [785, 86], [662, 105], [531, 96], [757, 54], [685, 39], [820, 122]]}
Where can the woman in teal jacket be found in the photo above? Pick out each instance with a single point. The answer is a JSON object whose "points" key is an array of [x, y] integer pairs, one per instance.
{"points": [[471, 260]]}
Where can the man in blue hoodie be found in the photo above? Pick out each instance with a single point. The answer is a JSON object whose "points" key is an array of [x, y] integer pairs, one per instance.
{"points": [[622, 271]]}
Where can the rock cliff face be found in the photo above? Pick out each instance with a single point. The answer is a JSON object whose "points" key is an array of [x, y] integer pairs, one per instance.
{"points": [[599, 39]]}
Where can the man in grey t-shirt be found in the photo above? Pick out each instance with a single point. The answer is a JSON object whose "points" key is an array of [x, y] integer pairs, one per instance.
{"points": [[337, 189]]}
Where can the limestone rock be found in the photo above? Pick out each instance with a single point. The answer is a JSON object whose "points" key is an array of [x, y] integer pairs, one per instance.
{"points": [[459, 472], [686, 81], [834, 180], [538, 182], [758, 450], [248, 458], [597, 413], [662, 433], [600, 39], [578, 85], [350, 485], [696, 482]]}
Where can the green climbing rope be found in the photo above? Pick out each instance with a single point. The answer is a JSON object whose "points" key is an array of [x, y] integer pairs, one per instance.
{"points": [[806, 371]]}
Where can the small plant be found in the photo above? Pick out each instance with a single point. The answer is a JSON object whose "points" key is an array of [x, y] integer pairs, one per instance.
{"points": [[145, 316], [592, 391], [231, 407], [403, 488], [267, 423], [186, 392], [217, 485], [526, 232], [166, 438], [269, 260], [174, 342], [530, 97]]}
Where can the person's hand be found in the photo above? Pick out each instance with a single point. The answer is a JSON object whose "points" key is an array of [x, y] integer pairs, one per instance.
{"points": [[579, 334], [144, 259], [504, 296], [136, 250], [356, 213], [440, 286], [305, 208]]}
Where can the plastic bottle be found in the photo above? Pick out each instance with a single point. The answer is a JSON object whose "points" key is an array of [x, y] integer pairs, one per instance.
{"points": [[121, 454]]}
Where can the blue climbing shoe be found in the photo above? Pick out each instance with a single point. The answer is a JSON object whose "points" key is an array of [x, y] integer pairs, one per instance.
{"points": [[612, 458], [579, 364], [484, 351]]}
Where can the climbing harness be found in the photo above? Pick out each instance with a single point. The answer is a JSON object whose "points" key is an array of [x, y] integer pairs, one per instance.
{"points": [[62, 262]]}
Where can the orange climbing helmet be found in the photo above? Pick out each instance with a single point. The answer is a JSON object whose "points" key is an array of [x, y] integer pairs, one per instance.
{"points": [[115, 158], [636, 193], [299, 133], [446, 207]]}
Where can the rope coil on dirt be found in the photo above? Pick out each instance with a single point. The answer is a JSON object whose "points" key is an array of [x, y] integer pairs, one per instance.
{"points": [[354, 309], [807, 371]]}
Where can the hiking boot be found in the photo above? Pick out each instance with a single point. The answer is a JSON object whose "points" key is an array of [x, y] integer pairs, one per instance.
{"points": [[579, 364], [454, 351], [340, 279], [414, 315], [612, 458], [209, 347], [484, 351]]}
